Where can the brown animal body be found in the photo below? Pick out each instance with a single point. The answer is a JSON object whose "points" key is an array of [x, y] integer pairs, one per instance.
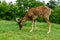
{"points": [[41, 11]]}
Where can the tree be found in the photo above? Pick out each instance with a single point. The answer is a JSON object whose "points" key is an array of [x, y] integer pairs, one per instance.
{"points": [[51, 4], [57, 2], [8, 11]]}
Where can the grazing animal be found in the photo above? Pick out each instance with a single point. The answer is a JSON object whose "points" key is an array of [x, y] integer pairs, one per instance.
{"points": [[41, 11]]}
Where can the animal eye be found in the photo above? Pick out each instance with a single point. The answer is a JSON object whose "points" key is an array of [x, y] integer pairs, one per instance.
{"points": [[18, 19]]}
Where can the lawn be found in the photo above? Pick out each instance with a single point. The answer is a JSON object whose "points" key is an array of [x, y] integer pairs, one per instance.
{"points": [[9, 30]]}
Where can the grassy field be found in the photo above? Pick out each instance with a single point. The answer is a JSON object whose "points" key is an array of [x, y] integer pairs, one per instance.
{"points": [[9, 30]]}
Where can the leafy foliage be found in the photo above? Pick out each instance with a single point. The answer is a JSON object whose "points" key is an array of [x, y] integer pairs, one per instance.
{"points": [[9, 11], [55, 16], [51, 4]]}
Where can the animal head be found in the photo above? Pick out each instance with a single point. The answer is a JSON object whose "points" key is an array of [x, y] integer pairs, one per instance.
{"points": [[19, 21]]}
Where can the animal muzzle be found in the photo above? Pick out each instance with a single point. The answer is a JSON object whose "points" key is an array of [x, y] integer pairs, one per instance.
{"points": [[20, 26]]}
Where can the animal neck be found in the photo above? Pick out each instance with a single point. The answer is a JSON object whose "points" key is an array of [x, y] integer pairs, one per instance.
{"points": [[24, 19]]}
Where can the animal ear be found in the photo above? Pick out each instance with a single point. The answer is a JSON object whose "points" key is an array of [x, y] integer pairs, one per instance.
{"points": [[17, 20]]}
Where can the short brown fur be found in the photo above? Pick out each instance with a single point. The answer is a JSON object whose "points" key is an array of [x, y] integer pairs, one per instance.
{"points": [[41, 11]]}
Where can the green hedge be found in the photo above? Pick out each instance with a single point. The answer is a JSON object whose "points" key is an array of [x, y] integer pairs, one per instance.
{"points": [[55, 16], [10, 12]]}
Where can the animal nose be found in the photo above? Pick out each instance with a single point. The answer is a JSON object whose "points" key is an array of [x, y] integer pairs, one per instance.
{"points": [[20, 27]]}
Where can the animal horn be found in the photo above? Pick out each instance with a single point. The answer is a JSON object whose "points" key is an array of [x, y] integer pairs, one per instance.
{"points": [[17, 19]]}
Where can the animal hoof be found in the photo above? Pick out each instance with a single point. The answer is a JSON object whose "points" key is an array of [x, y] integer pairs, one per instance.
{"points": [[48, 32], [30, 30]]}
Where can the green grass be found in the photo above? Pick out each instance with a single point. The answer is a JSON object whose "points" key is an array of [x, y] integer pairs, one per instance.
{"points": [[9, 30]]}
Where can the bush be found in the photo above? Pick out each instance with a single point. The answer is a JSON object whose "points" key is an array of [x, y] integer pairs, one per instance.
{"points": [[8, 11], [55, 16], [11, 11]]}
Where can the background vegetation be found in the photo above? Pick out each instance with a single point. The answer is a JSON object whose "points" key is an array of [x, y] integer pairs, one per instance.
{"points": [[10, 11]]}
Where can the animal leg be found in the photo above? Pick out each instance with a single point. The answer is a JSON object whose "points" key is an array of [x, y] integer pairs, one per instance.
{"points": [[33, 25], [49, 24]]}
